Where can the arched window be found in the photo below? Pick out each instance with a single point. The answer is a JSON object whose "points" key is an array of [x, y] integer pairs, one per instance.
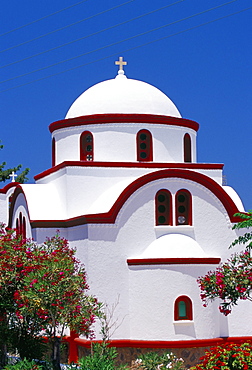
{"points": [[163, 204], [144, 146], [183, 308], [21, 226], [187, 148], [24, 228], [53, 152], [86, 146], [183, 204]]}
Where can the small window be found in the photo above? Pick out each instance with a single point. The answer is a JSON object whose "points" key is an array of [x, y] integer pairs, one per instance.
{"points": [[86, 146], [144, 146], [53, 152], [21, 226], [163, 204], [183, 207], [183, 308], [187, 148]]}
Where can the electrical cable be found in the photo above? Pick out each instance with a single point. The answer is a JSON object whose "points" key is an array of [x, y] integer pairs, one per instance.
{"points": [[115, 43], [40, 19], [92, 34], [63, 28], [130, 49]]}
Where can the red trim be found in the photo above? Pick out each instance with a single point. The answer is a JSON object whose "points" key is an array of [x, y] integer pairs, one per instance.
{"points": [[123, 118], [16, 193], [8, 186], [73, 347], [191, 343], [200, 166], [110, 216], [174, 261]]}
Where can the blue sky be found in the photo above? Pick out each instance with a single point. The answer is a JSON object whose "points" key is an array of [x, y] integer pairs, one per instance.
{"points": [[202, 62]]}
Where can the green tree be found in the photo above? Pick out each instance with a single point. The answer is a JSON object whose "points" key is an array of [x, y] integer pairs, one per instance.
{"points": [[43, 290], [232, 280], [5, 173]]}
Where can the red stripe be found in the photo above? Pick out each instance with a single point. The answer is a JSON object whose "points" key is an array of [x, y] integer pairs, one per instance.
{"points": [[174, 261], [200, 166], [167, 344], [123, 118]]}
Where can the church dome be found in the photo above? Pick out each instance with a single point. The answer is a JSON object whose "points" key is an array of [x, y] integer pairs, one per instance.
{"points": [[122, 95]]}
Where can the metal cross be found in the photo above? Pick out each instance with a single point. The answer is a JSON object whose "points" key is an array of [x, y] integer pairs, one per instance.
{"points": [[89, 157], [121, 63], [12, 176]]}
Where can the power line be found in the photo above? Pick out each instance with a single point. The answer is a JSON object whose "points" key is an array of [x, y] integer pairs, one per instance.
{"points": [[116, 43], [40, 19], [92, 34], [63, 28], [130, 49]]}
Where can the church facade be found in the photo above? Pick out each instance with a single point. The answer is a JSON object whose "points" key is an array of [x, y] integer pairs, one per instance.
{"points": [[146, 218]]}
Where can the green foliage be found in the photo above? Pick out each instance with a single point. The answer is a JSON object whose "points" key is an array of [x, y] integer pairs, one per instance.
{"points": [[247, 223], [102, 358], [228, 356], [24, 365], [154, 361], [5, 173]]}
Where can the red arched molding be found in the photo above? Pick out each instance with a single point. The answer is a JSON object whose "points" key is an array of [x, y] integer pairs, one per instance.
{"points": [[53, 152], [163, 205], [144, 146], [187, 148], [110, 216], [183, 204], [183, 308], [86, 146]]}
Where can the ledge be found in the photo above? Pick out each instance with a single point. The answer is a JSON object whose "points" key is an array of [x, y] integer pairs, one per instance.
{"points": [[174, 261], [183, 322]]}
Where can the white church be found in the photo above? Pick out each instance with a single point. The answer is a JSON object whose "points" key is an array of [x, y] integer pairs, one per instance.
{"points": [[146, 218]]}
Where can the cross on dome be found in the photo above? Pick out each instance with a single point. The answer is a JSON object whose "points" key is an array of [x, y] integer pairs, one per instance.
{"points": [[121, 63], [12, 176]]}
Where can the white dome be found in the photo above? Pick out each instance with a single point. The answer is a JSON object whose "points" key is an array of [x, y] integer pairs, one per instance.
{"points": [[174, 246], [122, 95]]}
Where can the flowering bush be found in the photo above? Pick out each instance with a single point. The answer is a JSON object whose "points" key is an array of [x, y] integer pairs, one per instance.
{"points": [[228, 356], [154, 361], [43, 289], [232, 280]]}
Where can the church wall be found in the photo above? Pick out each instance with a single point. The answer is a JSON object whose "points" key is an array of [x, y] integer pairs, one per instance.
{"points": [[154, 290], [117, 142], [95, 189], [146, 294]]}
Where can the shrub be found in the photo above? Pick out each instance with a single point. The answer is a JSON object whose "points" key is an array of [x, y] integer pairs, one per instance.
{"points": [[23, 365], [154, 361], [101, 358], [228, 356]]}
